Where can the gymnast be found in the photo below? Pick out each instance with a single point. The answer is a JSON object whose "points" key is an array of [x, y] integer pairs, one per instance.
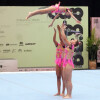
{"points": [[59, 61], [53, 9], [68, 62]]}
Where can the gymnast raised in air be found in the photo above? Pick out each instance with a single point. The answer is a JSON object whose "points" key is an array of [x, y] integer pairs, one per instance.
{"points": [[53, 9]]}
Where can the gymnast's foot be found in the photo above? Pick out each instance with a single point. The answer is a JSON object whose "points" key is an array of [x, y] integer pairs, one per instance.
{"points": [[67, 97], [57, 94], [28, 15], [62, 94]]}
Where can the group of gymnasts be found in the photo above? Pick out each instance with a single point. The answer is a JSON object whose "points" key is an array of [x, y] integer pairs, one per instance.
{"points": [[64, 61], [64, 49]]}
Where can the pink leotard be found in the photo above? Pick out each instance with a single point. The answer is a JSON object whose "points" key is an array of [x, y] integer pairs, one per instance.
{"points": [[67, 60], [59, 56], [57, 9]]}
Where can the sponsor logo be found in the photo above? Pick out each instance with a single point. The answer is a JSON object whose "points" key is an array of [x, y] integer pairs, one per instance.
{"points": [[19, 50], [14, 50], [30, 43], [27, 50], [1, 44], [7, 44], [6, 51], [21, 44]]}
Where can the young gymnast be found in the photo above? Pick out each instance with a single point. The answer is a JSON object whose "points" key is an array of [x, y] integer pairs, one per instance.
{"points": [[53, 9], [68, 62], [59, 58]]}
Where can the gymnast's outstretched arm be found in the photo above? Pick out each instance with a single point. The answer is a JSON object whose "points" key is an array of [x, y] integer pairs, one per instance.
{"points": [[59, 31], [54, 20], [60, 35], [64, 36], [54, 38], [74, 17]]}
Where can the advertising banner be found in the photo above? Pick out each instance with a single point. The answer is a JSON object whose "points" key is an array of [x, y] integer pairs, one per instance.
{"points": [[30, 41]]}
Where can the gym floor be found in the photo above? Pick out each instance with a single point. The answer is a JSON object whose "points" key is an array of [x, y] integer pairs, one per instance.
{"points": [[42, 85]]}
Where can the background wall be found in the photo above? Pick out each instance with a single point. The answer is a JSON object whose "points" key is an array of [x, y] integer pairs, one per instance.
{"points": [[30, 42]]}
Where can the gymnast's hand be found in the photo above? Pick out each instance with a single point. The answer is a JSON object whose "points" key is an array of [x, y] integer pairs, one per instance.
{"points": [[78, 22], [63, 27], [58, 27], [58, 3], [50, 25]]}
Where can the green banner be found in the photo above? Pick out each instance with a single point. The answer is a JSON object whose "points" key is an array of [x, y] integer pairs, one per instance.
{"points": [[31, 41]]}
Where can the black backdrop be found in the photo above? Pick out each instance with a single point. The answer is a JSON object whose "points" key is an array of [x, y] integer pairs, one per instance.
{"points": [[93, 5]]}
